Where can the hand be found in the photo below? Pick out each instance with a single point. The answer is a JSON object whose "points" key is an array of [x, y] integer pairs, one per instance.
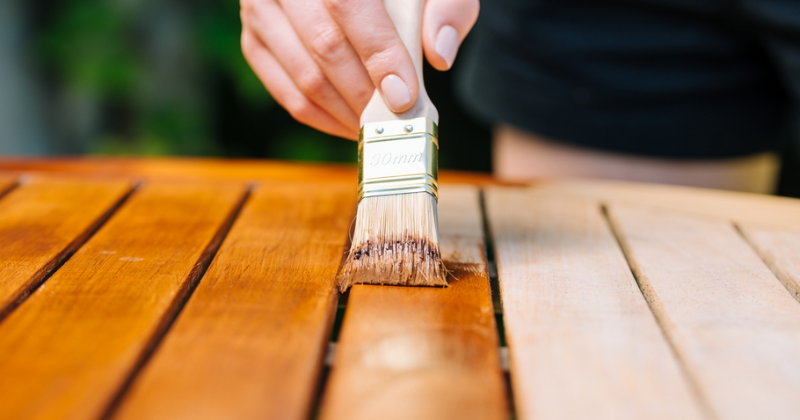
{"points": [[322, 59]]}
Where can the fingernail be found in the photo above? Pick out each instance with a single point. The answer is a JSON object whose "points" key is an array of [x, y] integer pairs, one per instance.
{"points": [[447, 44], [395, 92]]}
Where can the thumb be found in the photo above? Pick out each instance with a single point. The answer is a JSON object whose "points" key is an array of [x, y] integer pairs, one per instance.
{"points": [[445, 24]]}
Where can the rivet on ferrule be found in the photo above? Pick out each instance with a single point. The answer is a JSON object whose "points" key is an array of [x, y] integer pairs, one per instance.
{"points": [[401, 157]]}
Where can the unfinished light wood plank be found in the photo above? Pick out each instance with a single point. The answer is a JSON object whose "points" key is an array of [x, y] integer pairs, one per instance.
{"points": [[734, 326], [250, 342], [70, 347], [42, 223], [725, 205], [424, 353], [780, 250], [582, 341]]}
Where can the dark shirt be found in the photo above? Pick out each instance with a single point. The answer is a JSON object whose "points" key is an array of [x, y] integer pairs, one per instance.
{"points": [[667, 78]]}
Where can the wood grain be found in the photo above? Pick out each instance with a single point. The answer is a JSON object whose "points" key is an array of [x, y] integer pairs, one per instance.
{"points": [[70, 347], [424, 353], [42, 223], [732, 323], [780, 250], [582, 341], [250, 342]]}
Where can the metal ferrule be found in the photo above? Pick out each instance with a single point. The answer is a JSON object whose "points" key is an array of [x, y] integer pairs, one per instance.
{"points": [[398, 157]]}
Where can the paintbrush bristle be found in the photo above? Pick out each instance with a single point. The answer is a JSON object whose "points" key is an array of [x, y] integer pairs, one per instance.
{"points": [[395, 242]]}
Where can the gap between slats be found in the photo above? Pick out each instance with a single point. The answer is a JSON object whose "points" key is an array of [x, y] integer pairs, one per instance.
{"points": [[581, 337], [333, 339], [779, 249], [695, 387], [497, 303], [722, 320], [214, 233], [400, 345], [40, 277], [341, 308], [194, 278], [497, 309], [251, 340], [9, 185]]}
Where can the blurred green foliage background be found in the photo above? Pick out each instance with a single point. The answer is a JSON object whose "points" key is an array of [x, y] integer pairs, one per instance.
{"points": [[105, 49], [168, 77]]}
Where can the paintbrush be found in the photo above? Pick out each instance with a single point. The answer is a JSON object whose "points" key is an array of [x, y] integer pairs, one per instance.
{"points": [[396, 236]]}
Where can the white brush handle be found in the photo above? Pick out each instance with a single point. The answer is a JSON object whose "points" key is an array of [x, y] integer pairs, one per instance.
{"points": [[407, 18]]}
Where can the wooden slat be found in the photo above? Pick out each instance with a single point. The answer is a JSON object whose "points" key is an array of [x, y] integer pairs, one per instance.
{"points": [[424, 353], [780, 250], [733, 324], [727, 205], [582, 341], [70, 347], [250, 342], [42, 223]]}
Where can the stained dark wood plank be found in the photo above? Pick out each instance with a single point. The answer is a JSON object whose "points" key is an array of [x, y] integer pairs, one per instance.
{"points": [[780, 250], [734, 326], [582, 341], [424, 353], [68, 349], [43, 222], [250, 342]]}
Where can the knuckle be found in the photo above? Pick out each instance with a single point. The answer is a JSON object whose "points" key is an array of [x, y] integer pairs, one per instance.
{"points": [[327, 43], [246, 6], [300, 109], [312, 84], [380, 61], [247, 45], [256, 11], [383, 52], [339, 5], [249, 12], [362, 96]]}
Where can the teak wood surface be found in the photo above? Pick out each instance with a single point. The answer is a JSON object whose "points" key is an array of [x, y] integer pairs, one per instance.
{"points": [[42, 222], [251, 341], [204, 289], [432, 352], [731, 322], [577, 325]]}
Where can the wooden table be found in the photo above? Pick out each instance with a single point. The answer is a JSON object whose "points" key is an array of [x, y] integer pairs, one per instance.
{"points": [[203, 289]]}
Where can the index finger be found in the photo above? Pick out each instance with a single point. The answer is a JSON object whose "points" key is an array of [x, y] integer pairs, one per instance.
{"points": [[371, 32]]}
